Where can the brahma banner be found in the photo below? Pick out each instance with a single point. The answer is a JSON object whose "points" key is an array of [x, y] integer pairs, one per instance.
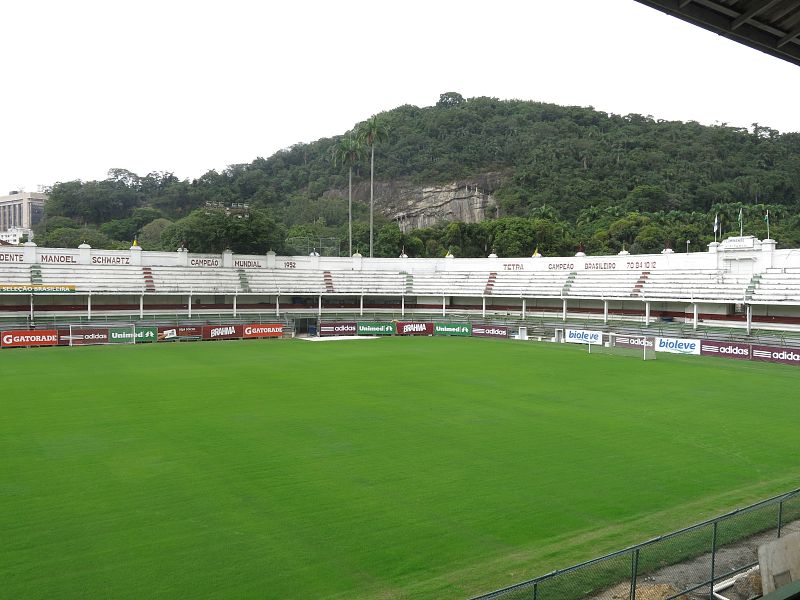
{"points": [[326, 329], [677, 345], [222, 332], [583, 336], [22, 338], [776, 354], [414, 328], [725, 349], [263, 330], [492, 331]]}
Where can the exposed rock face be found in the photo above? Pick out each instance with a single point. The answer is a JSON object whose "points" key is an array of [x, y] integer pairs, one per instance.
{"points": [[417, 206]]}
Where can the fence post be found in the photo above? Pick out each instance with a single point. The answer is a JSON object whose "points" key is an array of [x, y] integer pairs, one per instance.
{"points": [[634, 569], [535, 589], [780, 517], [713, 559]]}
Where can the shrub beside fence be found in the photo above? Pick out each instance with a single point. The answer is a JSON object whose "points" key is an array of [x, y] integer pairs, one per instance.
{"points": [[708, 553]]}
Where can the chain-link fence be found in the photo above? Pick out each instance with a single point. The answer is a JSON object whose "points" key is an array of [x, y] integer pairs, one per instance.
{"points": [[685, 564]]}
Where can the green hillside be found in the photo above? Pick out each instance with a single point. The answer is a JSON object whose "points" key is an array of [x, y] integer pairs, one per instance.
{"points": [[561, 176]]}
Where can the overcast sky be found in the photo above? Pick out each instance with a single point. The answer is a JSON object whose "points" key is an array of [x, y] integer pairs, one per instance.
{"points": [[192, 86]]}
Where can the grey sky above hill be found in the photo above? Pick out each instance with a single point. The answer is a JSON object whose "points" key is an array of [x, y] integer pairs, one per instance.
{"points": [[189, 86]]}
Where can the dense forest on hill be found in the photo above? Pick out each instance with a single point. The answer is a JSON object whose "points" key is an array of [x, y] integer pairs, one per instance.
{"points": [[567, 175]]}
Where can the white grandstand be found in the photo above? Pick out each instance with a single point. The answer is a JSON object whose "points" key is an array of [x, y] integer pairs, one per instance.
{"points": [[738, 282]]}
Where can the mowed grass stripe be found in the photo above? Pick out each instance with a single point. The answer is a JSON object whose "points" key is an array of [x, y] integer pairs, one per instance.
{"points": [[400, 467]]}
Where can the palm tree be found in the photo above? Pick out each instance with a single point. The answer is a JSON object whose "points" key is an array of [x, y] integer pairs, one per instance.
{"points": [[369, 132], [348, 151]]}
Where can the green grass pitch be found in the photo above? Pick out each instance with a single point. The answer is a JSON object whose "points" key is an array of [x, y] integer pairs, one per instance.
{"points": [[393, 468]]}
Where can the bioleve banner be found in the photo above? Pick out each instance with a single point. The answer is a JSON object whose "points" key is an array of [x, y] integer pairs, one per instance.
{"points": [[776, 354], [414, 328], [374, 328], [583, 336], [21, 338], [452, 329], [222, 332], [263, 330], [327, 329], [493, 331], [677, 345], [725, 349]]}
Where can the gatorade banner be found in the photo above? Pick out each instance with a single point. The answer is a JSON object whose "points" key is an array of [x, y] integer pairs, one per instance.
{"points": [[263, 330], [414, 328], [493, 331], [776, 354], [452, 329], [725, 349], [222, 332], [326, 329], [21, 338], [374, 328]]}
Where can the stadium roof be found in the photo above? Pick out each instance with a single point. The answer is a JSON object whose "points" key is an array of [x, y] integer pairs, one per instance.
{"points": [[772, 26]]}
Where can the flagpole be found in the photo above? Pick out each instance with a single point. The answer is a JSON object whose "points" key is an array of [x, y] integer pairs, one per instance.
{"points": [[767, 219]]}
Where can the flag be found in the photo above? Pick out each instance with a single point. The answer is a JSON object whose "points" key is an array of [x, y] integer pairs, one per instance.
{"points": [[766, 217], [740, 217], [716, 223], [536, 252]]}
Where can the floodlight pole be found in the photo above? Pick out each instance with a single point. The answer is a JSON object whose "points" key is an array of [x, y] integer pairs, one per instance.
{"points": [[141, 305], [234, 303], [89, 306]]}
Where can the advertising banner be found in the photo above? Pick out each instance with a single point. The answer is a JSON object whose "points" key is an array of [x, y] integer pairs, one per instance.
{"points": [[677, 345], [583, 336], [222, 332], [337, 329], [634, 341], [776, 354], [493, 331], [88, 335], [21, 338], [452, 329], [374, 328], [263, 330], [414, 328], [35, 288], [131, 335], [173, 333], [725, 349]]}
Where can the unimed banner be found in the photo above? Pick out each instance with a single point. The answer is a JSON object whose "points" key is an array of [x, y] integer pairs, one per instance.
{"points": [[414, 328], [131, 335], [88, 335], [374, 328], [326, 329], [677, 345], [583, 336], [21, 338], [222, 332], [263, 330], [776, 354], [725, 349], [452, 329], [494, 331], [634, 341]]}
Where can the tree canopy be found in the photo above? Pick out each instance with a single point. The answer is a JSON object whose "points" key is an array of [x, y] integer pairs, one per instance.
{"points": [[565, 175]]}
